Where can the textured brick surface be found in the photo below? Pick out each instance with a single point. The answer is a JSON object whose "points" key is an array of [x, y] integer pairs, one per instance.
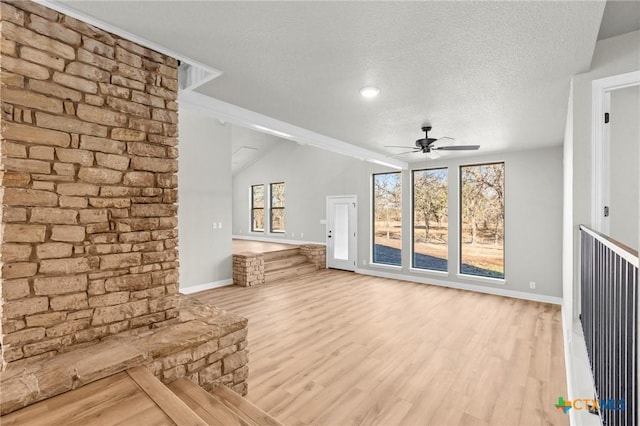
{"points": [[316, 254], [248, 269], [89, 136]]}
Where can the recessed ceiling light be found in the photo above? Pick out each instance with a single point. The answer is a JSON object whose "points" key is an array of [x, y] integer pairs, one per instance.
{"points": [[369, 92]]}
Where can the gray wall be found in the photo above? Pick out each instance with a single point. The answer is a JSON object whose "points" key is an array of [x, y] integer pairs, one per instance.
{"points": [[625, 151], [612, 56], [204, 197], [533, 209], [309, 174]]}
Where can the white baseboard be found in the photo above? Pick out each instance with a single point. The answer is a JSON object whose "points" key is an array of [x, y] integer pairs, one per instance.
{"points": [[206, 286], [579, 378], [274, 240], [568, 364], [479, 289]]}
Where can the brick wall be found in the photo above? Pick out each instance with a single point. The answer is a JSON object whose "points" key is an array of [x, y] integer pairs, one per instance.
{"points": [[316, 253], [248, 269], [89, 148]]}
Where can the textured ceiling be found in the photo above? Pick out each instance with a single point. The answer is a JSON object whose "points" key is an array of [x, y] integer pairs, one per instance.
{"points": [[489, 73], [248, 146]]}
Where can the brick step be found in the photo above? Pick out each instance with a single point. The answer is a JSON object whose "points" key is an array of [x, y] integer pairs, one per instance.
{"points": [[281, 254], [220, 407], [290, 272], [285, 262]]}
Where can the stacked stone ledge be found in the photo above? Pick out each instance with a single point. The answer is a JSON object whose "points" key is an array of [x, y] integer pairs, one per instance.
{"points": [[316, 254], [248, 269], [207, 345], [88, 176]]}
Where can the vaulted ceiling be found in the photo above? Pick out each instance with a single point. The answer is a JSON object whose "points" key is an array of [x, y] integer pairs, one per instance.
{"points": [[490, 73]]}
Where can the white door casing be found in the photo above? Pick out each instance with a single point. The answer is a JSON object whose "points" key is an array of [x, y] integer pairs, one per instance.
{"points": [[600, 182]]}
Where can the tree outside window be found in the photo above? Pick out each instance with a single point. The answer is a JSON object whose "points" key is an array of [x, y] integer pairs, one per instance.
{"points": [[257, 208], [277, 207], [387, 218], [430, 219], [482, 220]]}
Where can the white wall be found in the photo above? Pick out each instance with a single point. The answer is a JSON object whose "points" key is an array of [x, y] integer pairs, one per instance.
{"points": [[309, 174], [533, 210], [612, 56], [567, 216], [625, 149], [204, 197]]}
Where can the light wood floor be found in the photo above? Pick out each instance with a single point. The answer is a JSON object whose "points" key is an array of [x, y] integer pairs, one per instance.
{"points": [[240, 246], [133, 397], [337, 348]]}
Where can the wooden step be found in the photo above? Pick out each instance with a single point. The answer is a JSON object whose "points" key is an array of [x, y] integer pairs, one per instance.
{"points": [[290, 272], [281, 254], [210, 409], [285, 262], [221, 407], [173, 407], [243, 407], [132, 397]]}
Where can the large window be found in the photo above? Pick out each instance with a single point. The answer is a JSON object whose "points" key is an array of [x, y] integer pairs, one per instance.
{"points": [[277, 207], [387, 218], [482, 220], [257, 208], [430, 219]]}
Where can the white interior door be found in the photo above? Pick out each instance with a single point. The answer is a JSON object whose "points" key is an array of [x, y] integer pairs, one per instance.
{"points": [[341, 232]]}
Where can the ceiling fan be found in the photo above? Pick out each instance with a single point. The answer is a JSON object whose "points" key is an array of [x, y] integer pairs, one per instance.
{"points": [[425, 145]]}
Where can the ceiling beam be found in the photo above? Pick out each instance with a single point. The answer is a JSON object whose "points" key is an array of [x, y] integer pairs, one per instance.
{"points": [[262, 123]]}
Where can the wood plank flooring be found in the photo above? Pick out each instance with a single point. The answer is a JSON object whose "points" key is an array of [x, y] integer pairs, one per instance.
{"points": [[337, 348], [115, 400]]}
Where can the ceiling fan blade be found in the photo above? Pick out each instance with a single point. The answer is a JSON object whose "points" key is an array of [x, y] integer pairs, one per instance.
{"points": [[457, 147], [403, 153], [444, 138], [400, 146]]}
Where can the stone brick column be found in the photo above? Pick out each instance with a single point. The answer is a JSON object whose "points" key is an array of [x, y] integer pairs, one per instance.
{"points": [[248, 269], [316, 253], [88, 184]]}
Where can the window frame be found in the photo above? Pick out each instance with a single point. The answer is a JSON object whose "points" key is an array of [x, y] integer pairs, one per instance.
{"points": [[412, 266], [254, 208], [373, 221], [272, 208], [499, 280]]}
